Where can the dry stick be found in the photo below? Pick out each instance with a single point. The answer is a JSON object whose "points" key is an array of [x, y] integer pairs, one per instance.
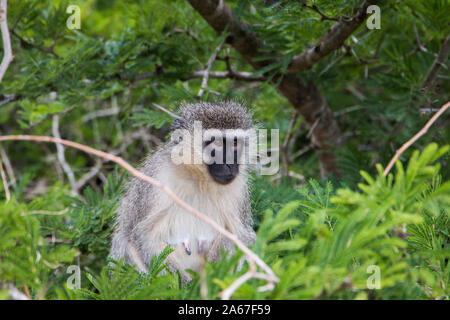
{"points": [[250, 254], [417, 136], [8, 56], [284, 153], [61, 157], [208, 69], [228, 292], [237, 75], [50, 213], [101, 113], [88, 176], [173, 115], [8, 166], [5, 182]]}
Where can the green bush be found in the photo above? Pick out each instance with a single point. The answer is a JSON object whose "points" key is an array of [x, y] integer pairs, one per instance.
{"points": [[321, 243]]}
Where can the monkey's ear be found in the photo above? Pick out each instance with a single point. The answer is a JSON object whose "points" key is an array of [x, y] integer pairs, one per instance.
{"points": [[178, 123]]}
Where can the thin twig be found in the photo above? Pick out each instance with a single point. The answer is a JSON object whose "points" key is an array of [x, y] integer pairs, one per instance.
{"points": [[254, 258], [29, 44], [420, 46], [50, 213], [7, 56], [250, 274], [88, 176], [173, 115], [8, 166], [416, 136], [323, 16], [236, 75], [211, 60], [101, 113], [61, 157], [8, 99], [284, 147], [5, 182]]}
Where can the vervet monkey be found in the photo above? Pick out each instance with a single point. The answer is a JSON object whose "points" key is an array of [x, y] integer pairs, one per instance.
{"points": [[148, 220]]}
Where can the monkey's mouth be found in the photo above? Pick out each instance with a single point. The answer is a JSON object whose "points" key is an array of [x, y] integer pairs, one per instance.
{"points": [[223, 173]]}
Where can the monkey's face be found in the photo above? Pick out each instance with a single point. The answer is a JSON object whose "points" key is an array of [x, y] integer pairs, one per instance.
{"points": [[221, 158]]}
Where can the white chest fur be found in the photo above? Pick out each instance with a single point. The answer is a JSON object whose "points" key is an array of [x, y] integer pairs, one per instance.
{"points": [[178, 227]]}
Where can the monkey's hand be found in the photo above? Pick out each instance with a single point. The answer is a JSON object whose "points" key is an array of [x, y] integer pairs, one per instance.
{"points": [[201, 246]]}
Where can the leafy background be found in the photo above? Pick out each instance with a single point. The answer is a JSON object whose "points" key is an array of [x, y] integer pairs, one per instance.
{"points": [[318, 235]]}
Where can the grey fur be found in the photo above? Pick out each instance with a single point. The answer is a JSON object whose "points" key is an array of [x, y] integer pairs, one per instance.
{"points": [[139, 233]]}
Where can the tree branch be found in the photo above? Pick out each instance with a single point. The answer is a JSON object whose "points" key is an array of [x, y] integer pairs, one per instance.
{"points": [[7, 51], [61, 157], [306, 98], [331, 40], [416, 137], [5, 182], [25, 43], [208, 69], [437, 64]]}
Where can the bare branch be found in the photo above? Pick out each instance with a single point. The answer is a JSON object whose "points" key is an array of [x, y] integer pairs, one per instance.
{"points": [[250, 254], [7, 51], [100, 113], [284, 147], [244, 76], [237, 75], [331, 40], [173, 115], [5, 182], [416, 137], [8, 99], [250, 274], [61, 157], [50, 213], [88, 176], [211, 60], [305, 97], [8, 166]]}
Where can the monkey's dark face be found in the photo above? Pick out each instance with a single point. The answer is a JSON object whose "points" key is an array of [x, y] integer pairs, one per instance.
{"points": [[224, 167]]}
